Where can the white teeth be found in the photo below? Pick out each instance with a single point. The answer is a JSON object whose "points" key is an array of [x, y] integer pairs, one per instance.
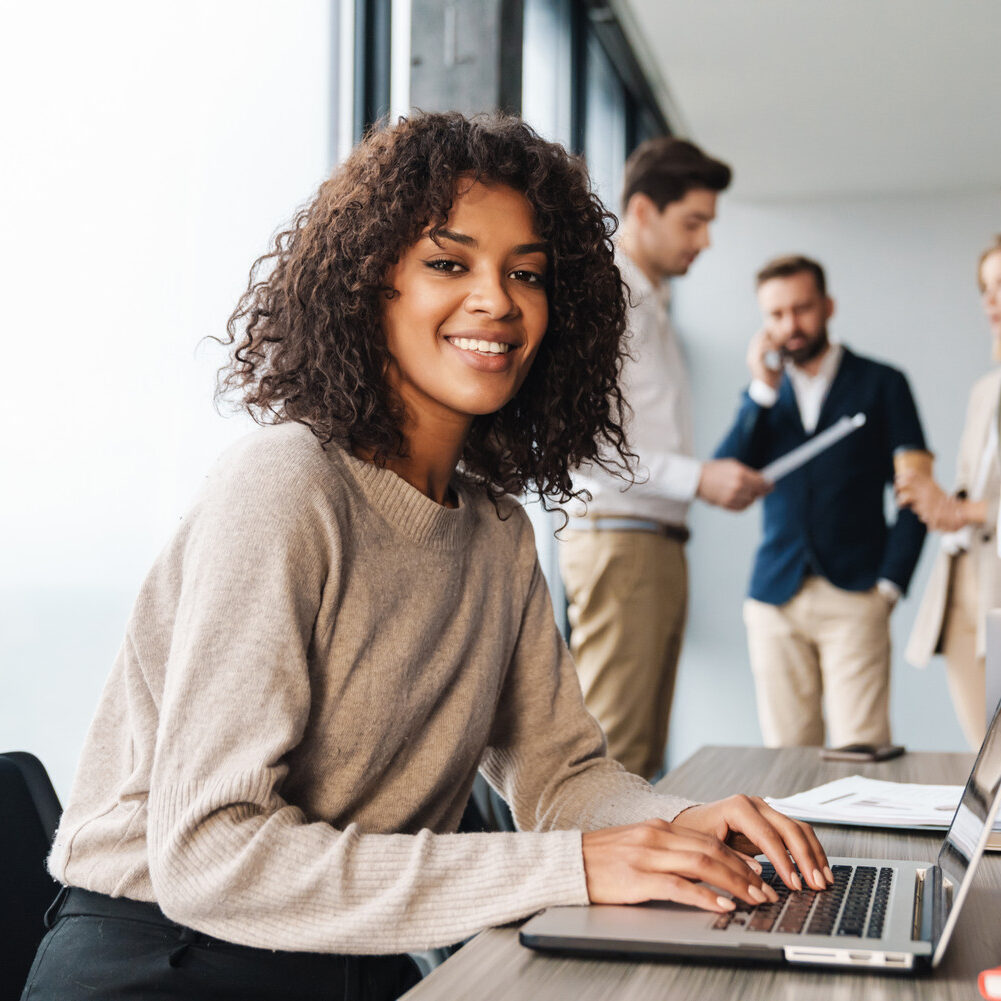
{"points": [[485, 347]]}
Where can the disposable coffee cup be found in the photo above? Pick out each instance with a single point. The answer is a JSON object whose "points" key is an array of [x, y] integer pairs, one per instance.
{"points": [[916, 460]]}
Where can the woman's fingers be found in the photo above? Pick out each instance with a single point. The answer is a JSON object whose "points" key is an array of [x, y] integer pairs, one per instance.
{"points": [[683, 891], [632, 863], [780, 837], [770, 832], [697, 862]]}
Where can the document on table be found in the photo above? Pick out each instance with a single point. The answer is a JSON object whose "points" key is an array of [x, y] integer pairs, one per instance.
{"points": [[857, 801], [802, 454]]}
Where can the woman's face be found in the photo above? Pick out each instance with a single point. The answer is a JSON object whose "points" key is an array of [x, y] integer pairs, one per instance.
{"points": [[990, 294], [470, 310]]}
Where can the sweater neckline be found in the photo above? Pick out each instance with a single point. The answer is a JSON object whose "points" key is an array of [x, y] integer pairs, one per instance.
{"points": [[411, 512]]}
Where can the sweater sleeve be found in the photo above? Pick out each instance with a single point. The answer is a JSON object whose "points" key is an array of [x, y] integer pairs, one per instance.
{"points": [[228, 855], [547, 755]]}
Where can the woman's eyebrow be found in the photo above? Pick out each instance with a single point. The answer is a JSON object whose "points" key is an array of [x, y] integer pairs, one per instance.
{"points": [[451, 234], [469, 241]]}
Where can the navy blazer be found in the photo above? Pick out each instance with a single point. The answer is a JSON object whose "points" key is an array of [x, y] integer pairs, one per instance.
{"points": [[828, 517]]}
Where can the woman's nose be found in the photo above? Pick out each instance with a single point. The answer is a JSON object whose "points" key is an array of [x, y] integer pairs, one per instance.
{"points": [[490, 295]]}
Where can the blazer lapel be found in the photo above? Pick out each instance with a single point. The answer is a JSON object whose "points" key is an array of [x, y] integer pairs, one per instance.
{"points": [[787, 403], [986, 412], [839, 389]]}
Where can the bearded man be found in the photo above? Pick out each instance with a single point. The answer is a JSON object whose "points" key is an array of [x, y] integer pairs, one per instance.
{"points": [[830, 567]]}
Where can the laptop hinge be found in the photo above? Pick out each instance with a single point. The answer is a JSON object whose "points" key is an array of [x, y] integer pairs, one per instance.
{"points": [[932, 899]]}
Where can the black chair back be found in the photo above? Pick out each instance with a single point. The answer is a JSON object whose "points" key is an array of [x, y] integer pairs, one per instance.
{"points": [[29, 813]]}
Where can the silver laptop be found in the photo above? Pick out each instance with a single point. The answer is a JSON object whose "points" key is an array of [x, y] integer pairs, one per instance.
{"points": [[885, 914]]}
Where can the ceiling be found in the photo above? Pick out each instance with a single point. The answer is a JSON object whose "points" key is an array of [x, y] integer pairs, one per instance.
{"points": [[815, 98]]}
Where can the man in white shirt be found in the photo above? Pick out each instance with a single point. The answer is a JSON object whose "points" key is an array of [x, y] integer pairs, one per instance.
{"points": [[830, 567], [623, 559]]}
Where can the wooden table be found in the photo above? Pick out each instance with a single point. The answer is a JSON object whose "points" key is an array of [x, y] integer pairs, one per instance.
{"points": [[494, 966]]}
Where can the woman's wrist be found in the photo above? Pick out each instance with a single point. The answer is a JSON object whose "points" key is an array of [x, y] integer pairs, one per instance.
{"points": [[973, 512]]}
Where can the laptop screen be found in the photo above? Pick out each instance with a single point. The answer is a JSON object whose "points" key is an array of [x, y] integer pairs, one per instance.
{"points": [[972, 821]]}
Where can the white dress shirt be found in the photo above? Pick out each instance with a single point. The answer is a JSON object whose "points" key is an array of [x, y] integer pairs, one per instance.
{"points": [[655, 385], [810, 390]]}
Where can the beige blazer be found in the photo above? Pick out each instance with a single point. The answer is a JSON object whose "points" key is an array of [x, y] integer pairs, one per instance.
{"points": [[926, 637]]}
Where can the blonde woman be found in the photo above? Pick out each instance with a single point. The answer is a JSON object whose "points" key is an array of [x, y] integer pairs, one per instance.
{"points": [[966, 579]]}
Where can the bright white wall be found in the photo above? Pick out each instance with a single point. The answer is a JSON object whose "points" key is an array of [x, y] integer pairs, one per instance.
{"points": [[903, 273], [149, 152]]}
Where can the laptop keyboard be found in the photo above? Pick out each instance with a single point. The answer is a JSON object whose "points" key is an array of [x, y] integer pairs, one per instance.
{"points": [[855, 905]]}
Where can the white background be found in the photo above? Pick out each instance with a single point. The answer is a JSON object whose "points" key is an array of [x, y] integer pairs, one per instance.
{"points": [[149, 152]]}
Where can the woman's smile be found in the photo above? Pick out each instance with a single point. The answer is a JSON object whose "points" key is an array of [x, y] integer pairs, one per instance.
{"points": [[470, 308]]}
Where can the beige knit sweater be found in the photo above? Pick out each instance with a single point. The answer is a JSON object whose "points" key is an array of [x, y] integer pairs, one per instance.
{"points": [[314, 668]]}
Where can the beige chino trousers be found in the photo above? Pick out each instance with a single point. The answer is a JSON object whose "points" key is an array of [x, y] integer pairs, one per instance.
{"points": [[628, 599], [826, 651]]}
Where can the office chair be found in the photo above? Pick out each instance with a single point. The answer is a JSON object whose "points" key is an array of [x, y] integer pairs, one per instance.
{"points": [[29, 813]]}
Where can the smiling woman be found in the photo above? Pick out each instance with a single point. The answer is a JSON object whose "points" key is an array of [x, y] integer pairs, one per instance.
{"points": [[308, 347], [466, 316], [352, 620]]}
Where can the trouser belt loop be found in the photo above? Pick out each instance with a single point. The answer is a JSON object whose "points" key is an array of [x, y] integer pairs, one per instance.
{"points": [[53, 910], [188, 937]]}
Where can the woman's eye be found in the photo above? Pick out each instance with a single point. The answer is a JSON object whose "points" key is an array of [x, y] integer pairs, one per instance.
{"points": [[445, 265], [528, 277]]}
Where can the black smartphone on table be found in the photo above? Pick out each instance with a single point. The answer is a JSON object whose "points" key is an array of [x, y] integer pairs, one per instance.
{"points": [[862, 752]]}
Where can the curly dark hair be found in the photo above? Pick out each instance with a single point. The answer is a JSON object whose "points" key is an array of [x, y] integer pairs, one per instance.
{"points": [[308, 335]]}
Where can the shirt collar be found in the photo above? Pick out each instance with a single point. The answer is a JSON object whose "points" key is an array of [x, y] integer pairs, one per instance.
{"points": [[639, 284], [825, 374]]}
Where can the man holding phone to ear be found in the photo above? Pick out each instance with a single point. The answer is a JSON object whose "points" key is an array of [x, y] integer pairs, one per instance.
{"points": [[830, 568]]}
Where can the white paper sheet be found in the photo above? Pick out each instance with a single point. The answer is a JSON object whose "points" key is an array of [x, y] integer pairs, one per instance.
{"points": [[857, 801], [802, 454]]}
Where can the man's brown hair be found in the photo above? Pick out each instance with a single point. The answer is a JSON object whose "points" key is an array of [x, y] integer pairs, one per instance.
{"points": [[666, 169], [789, 265]]}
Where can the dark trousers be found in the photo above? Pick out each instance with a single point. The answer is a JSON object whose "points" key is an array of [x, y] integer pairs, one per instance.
{"points": [[115, 949]]}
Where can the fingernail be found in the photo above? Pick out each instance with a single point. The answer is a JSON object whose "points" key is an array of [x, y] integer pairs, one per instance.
{"points": [[755, 893], [796, 882], [771, 894], [828, 874], [818, 880], [754, 865], [726, 903]]}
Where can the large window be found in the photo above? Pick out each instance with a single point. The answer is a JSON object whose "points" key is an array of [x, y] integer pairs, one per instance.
{"points": [[581, 86], [547, 69]]}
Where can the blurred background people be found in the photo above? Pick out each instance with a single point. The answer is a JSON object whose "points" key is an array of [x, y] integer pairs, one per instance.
{"points": [[623, 558], [966, 579], [829, 569]]}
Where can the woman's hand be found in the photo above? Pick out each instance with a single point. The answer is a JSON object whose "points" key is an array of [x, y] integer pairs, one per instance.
{"points": [[750, 825], [656, 860], [939, 511]]}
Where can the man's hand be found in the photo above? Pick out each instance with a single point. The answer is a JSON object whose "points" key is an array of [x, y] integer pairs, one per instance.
{"points": [[730, 484], [761, 346]]}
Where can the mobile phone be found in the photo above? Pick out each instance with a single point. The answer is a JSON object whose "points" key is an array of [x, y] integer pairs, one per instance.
{"points": [[862, 752], [773, 360]]}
